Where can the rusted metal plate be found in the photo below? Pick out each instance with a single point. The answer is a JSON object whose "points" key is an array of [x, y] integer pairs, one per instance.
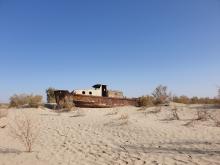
{"points": [[93, 101]]}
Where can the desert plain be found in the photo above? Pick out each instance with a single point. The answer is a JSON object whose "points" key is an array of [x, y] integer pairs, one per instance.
{"points": [[122, 135]]}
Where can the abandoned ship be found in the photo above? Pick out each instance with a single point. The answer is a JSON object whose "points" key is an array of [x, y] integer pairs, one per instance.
{"points": [[97, 97]]}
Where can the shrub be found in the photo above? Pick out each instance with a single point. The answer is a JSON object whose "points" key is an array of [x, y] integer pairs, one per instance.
{"points": [[124, 117], [68, 104], [145, 101], [25, 100], [160, 95], [25, 129], [175, 115], [202, 115], [182, 99], [50, 95], [34, 101], [195, 100]]}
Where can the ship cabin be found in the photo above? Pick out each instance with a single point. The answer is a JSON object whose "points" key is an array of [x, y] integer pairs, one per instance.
{"points": [[96, 90]]}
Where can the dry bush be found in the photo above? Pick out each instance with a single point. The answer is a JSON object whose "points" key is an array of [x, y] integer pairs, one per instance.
{"points": [[160, 95], [25, 129], [124, 117], [25, 100], [145, 101], [34, 101], [195, 100], [216, 120], [202, 115], [68, 104], [182, 99], [50, 95], [175, 115], [3, 113]]}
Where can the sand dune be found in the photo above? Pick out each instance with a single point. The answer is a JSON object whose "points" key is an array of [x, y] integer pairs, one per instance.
{"points": [[126, 135]]}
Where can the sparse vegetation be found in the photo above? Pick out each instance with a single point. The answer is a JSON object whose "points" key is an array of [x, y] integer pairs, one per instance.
{"points": [[25, 129], [68, 104], [124, 116], [50, 95], [175, 115], [145, 101], [195, 100], [124, 119], [22, 100], [160, 95], [202, 115]]}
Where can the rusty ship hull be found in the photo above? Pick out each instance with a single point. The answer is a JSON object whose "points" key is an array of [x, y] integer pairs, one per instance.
{"points": [[101, 102], [92, 101]]}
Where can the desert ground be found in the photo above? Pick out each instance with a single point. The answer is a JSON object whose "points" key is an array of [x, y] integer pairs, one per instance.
{"points": [[125, 135]]}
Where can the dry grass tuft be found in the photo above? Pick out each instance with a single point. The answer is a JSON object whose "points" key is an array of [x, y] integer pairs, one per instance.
{"points": [[25, 129], [23, 100], [146, 101], [124, 117], [175, 115], [202, 115]]}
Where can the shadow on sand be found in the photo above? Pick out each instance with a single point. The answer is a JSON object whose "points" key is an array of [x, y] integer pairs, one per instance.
{"points": [[9, 151], [169, 148]]}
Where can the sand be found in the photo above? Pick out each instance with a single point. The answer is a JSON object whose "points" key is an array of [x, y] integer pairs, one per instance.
{"points": [[126, 135]]}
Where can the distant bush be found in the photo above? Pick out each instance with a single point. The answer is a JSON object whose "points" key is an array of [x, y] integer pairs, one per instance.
{"points": [[182, 99], [33, 101], [195, 100], [160, 95], [145, 101], [50, 95]]}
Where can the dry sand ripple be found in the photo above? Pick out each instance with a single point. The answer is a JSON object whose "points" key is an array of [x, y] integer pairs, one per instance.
{"points": [[100, 136]]}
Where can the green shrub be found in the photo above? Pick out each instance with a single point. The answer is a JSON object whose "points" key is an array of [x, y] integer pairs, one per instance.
{"points": [[25, 100]]}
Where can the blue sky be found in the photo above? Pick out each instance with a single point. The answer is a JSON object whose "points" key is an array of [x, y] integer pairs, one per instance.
{"points": [[131, 45]]}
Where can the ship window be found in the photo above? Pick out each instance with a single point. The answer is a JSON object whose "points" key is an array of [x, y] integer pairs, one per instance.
{"points": [[90, 93], [83, 92]]}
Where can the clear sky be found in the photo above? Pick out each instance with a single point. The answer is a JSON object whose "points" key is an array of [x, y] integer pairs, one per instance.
{"points": [[131, 45]]}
